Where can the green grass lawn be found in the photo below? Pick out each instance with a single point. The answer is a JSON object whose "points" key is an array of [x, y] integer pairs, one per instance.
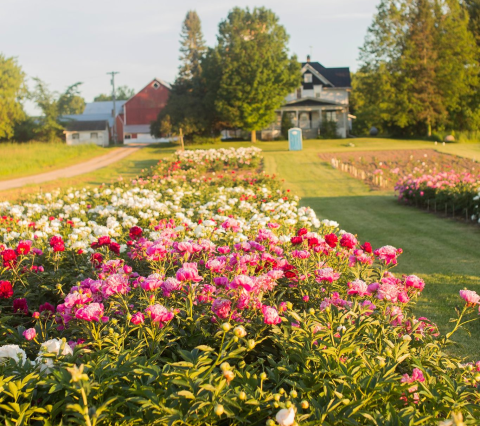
{"points": [[23, 159], [444, 252]]}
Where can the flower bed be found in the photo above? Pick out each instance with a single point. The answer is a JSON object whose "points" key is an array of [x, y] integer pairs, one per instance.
{"points": [[428, 179], [182, 298]]}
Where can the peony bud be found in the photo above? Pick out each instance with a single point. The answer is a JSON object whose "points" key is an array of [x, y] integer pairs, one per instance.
{"points": [[240, 331], [226, 327], [304, 404], [219, 410]]}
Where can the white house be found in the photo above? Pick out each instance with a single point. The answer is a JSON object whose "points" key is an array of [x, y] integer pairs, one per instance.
{"points": [[322, 96], [83, 132]]}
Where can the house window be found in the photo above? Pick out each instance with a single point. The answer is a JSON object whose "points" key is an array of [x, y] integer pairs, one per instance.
{"points": [[317, 95], [75, 135], [299, 93], [330, 115], [307, 78], [156, 85], [127, 136], [94, 135]]}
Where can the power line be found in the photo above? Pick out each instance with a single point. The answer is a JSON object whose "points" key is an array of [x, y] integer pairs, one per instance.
{"points": [[114, 108]]}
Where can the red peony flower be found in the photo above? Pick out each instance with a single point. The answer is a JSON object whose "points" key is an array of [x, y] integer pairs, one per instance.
{"points": [[296, 240], [96, 259], [302, 231], [24, 247], [136, 232], [331, 240], [6, 290], [115, 247]]}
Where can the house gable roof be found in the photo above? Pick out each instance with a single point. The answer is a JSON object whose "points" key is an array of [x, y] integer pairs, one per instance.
{"points": [[86, 126], [334, 77], [311, 102]]}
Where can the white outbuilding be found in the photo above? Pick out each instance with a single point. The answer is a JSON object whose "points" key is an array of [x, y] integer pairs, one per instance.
{"points": [[83, 132]]}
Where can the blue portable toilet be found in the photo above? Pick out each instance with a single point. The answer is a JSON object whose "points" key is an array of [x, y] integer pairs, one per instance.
{"points": [[295, 139]]}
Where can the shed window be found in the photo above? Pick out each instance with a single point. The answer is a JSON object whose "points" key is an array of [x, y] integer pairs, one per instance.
{"points": [[156, 85], [307, 78], [75, 135], [94, 135], [127, 136]]}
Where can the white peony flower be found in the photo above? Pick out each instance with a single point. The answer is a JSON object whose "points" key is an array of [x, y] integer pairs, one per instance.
{"points": [[14, 352], [286, 417]]}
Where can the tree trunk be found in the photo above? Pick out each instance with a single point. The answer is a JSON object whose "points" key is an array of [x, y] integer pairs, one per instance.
{"points": [[253, 137], [429, 128], [181, 139]]}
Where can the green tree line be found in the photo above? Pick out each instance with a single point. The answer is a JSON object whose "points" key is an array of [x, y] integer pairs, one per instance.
{"points": [[419, 68]]}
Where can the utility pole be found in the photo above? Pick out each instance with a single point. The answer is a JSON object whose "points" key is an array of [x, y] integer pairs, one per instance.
{"points": [[114, 109]]}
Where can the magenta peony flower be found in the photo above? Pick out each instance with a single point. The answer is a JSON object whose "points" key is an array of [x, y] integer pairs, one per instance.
{"points": [[348, 241], [221, 308], [159, 313], [29, 334], [20, 305], [92, 312], [152, 282], [270, 315], [138, 318], [471, 297]]}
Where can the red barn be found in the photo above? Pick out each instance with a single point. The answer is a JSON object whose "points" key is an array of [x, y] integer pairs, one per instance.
{"points": [[133, 123]]}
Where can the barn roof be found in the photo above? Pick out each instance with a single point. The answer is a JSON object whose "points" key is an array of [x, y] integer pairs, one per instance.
{"points": [[103, 107], [86, 126]]}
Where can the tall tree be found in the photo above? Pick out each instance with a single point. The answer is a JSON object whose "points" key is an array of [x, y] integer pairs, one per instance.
{"points": [[122, 93], [12, 90], [473, 9], [192, 48], [185, 109], [409, 81], [70, 102], [49, 129], [257, 72]]}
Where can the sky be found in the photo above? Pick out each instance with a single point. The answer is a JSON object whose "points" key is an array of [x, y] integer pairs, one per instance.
{"points": [[63, 41]]}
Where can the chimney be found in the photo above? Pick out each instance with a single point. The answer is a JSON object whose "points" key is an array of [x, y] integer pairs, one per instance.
{"points": [[308, 58]]}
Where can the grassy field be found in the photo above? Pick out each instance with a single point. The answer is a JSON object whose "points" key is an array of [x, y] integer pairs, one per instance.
{"points": [[37, 157], [444, 252]]}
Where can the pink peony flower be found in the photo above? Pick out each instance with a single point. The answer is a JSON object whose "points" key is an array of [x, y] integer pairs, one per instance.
{"points": [[471, 297], [152, 282], [270, 315], [92, 312], [388, 292], [243, 281], [358, 287], [115, 284], [388, 254], [189, 272], [30, 334], [415, 282], [396, 314], [159, 313], [169, 285], [327, 274], [221, 308]]}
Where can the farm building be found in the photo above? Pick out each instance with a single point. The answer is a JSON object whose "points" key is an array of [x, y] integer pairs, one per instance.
{"points": [[140, 110], [322, 97], [132, 117], [82, 132]]}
